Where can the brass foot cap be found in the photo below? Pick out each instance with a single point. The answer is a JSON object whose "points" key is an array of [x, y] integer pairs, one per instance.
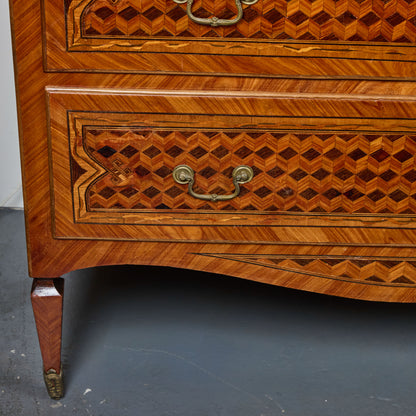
{"points": [[54, 384]]}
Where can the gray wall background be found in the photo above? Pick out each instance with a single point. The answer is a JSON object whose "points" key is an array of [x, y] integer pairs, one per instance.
{"points": [[10, 178]]}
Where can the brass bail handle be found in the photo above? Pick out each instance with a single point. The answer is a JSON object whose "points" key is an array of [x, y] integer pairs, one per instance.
{"points": [[183, 174], [215, 21]]}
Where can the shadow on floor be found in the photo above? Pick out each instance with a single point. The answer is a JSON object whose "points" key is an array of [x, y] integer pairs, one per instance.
{"points": [[160, 341]]}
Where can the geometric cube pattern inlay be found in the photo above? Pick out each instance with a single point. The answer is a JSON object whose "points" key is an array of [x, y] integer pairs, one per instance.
{"points": [[331, 20], [391, 272], [298, 172]]}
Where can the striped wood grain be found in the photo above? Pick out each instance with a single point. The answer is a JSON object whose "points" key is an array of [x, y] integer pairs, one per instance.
{"points": [[47, 303], [340, 39]]}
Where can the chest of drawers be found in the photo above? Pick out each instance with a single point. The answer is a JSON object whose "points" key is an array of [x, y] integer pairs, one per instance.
{"points": [[273, 141]]}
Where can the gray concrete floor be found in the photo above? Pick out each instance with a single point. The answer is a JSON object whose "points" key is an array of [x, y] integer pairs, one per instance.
{"points": [[162, 342]]}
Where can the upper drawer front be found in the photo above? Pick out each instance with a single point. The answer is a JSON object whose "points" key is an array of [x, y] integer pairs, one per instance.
{"points": [[340, 38], [320, 164]]}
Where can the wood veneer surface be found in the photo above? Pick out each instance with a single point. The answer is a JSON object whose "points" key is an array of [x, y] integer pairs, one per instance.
{"points": [[367, 262], [275, 38]]}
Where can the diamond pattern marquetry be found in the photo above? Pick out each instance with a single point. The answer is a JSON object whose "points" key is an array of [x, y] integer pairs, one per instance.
{"points": [[392, 272], [331, 20], [377, 271], [329, 173]]}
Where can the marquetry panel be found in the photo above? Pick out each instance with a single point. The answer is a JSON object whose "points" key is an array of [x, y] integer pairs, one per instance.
{"points": [[345, 38], [320, 176], [300, 172], [345, 20], [365, 270]]}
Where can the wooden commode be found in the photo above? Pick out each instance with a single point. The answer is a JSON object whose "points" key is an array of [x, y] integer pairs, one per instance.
{"points": [[269, 140]]}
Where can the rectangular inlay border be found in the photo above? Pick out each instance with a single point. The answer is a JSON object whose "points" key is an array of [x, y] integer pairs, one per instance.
{"points": [[71, 46]]}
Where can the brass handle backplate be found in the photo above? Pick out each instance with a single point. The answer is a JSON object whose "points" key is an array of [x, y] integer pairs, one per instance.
{"points": [[215, 21], [183, 174]]}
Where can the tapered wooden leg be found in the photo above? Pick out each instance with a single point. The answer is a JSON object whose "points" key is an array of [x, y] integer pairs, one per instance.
{"points": [[47, 302]]}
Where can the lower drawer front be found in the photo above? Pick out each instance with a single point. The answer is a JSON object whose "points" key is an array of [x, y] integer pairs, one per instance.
{"points": [[320, 165]]}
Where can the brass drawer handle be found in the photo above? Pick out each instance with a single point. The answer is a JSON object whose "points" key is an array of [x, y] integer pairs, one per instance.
{"points": [[183, 174], [215, 21]]}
